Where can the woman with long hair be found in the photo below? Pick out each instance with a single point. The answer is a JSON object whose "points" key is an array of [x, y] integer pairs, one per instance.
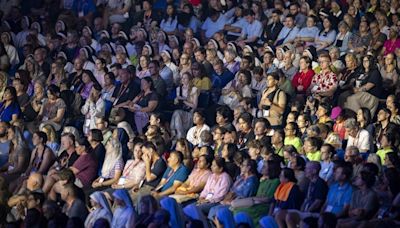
{"points": [[12, 53], [9, 107], [88, 81], [34, 69], [326, 36], [3, 83], [100, 71], [108, 86], [389, 73], [52, 141], [169, 23], [185, 64], [201, 80], [143, 69], [185, 101]]}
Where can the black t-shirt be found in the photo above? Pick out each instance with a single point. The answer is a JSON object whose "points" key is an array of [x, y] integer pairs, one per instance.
{"points": [[72, 159], [99, 153], [375, 78], [232, 169], [158, 169], [144, 101], [316, 191], [125, 93]]}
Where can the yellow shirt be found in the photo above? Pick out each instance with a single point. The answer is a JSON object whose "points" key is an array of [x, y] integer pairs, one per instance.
{"points": [[202, 84], [382, 153], [296, 142], [315, 156]]}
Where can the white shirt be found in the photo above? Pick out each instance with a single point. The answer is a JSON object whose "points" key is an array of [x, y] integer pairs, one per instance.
{"points": [[91, 111], [193, 135], [361, 141]]}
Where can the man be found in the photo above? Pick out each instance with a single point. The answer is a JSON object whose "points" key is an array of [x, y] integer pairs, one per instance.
{"points": [[300, 19], [383, 125], [155, 168], [65, 160], [95, 138], [352, 156], [234, 30], [200, 56], [252, 31], [221, 76], [339, 195], [246, 133], [273, 101], [74, 207], [93, 107], [314, 199], [40, 56], [288, 33], [5, 143], [224, 117], [123, 93], [173, 177], [272, 30], [261, 131], [76, 77], [364, 202], [103, 125], [357, 137], [193, 135], [214, 23], [22, 96], [277, 141], [188, 48], [34, 216], [158, 82]]}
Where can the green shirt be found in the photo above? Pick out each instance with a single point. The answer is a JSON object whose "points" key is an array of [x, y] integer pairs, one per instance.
{"points": [[314, 156], [382, 153], [296, 142]]}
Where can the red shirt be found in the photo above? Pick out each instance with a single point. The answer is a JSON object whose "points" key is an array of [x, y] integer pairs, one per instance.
{"points": [[87, 166], [303, 79]]}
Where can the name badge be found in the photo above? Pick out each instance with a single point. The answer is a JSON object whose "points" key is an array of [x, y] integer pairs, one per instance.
{"points": [[121, 181], [101, 180], [265, 113], [209, 196]]}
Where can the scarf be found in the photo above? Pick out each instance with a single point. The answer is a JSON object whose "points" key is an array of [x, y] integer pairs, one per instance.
{"points": [[283, 190]]}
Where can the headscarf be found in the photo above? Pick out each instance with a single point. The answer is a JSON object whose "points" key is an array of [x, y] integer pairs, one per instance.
{"points": [[243, 217], [103, 212], [175, 210], [123, 216], [225, 217], [111, 157], [195, 213], [268, 222]]}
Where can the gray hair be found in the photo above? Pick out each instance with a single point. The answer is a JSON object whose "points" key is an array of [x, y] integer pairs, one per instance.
{"points": [[351, 123]]}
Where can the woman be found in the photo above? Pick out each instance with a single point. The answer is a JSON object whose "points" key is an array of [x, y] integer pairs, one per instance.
{"points": [[223, 218], [112, 167], [367, 89], [3, 83], [230, 61], [88, 80], [258, 205], [9, 107], [291, 136], [235, 91], [287, 195], [185, 64], [18, 158], [182, 145], [57, 74], [326, 36], [100, 71], [100, 209], [143, 69], [167, 60], [124, 214], [347, 79], [298, 164], [343, 37], [169, 23], [32, 109], [337, 63], [10, 49], [196, 181], [200, 78], [134, 170], [216, 188], [144, 103], [302, 79], [52, 142], [394, 107], [175, 210], [306, 35], [389, 73], [148, 205], [392, 43], [42, 157], [25, 78], [85, 167], [185, 101], [364, 119], [53, 109], [34, 70], [108, 87], [4, 60]]}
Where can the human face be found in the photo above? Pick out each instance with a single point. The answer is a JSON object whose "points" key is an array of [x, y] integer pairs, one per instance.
{"points": [[349, 62], [184, 59], [217, 135], [352, 132], [79, 149], [338, 174], [215, 169], [36, 140], [289, 131], [66, 142], [301, 121], [271, 81], [197, 119], [220, 119], [243, 125], [325, 153], [254, 153], [310, 22], [202, 163], [382, 116], [389, 59], [327, 24], [170, 10], [259, 129], [199, 56], [366, 63], [303, 64], [78, 64], [154, 121], [307, 147], [276, 138], [350, 156], [324, 63], [185, 79], [137, 151], [360, 116], [289, 22], [144, 85], [143, 62]]}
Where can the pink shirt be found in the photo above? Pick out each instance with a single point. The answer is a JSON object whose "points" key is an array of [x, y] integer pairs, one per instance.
{"points": [[390, 46], [217, 187], [197, 177]]}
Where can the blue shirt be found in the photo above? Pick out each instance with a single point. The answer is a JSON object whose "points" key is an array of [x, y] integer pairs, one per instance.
{"points": [[4, 151], [220, 81], [245, 187], [181, 174], [85, 6], [6, 113], [338, 197], [211, 27], [169, 25]]}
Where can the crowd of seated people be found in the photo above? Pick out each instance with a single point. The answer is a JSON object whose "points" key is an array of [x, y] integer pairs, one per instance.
{"points": [[177, 113]]}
